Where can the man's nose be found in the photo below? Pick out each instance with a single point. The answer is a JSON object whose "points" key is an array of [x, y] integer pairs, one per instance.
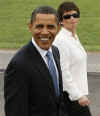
{"points": [[45, 30]]}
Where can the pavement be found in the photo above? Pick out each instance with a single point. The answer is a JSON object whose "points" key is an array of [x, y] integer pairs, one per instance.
{"points": [[93, 60], [93, 68]]}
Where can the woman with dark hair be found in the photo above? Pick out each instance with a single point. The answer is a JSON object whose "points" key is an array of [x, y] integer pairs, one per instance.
{"points": [[73, 61]]}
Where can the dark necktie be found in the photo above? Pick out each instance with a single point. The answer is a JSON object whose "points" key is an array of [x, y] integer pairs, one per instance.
{"points": [[52, 71]]}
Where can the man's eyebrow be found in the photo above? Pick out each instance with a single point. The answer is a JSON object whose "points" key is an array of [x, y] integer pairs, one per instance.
{"points": [[51, 25], [39, 25]]}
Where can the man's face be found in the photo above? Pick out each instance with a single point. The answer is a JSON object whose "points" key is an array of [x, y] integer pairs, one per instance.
{"points": [[44, 30]]}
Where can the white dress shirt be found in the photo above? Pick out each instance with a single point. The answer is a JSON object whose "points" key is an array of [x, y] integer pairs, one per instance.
{"points": [[73, 64]]}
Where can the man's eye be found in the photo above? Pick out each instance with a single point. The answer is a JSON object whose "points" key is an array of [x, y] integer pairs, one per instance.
{"points": [[39, 26], [51, 26]]}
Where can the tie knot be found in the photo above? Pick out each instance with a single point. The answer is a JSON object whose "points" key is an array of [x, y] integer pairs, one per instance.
{"points": [[49, 55]]}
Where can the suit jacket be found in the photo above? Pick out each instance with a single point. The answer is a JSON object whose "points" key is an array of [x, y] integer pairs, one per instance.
{"points": [[28, 85]]}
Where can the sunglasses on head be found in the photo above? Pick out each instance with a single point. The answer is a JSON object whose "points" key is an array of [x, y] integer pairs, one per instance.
{"points": [[68, 16]]}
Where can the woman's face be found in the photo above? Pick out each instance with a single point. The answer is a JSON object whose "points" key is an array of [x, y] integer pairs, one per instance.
{"points": [[70, 20]]}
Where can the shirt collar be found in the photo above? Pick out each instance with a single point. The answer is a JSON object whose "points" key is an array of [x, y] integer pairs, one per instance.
{"points": [[41, 51], [66, 31]]}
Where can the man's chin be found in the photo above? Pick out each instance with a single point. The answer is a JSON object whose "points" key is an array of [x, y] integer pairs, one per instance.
{"points": [[45, 48]]}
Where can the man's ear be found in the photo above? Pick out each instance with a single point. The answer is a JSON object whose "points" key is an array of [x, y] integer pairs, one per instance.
{"points": [[58, 28], [30, 27]]}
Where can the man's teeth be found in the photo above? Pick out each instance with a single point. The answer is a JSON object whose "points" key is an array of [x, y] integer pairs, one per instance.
{"points": [[44, 39]]}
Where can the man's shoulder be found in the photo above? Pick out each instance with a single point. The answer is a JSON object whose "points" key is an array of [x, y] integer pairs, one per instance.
{"points": [[55, 48], [20, 54]]}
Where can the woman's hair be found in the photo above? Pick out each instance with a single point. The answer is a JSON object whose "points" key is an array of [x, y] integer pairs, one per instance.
{"points": [[66, 6]]}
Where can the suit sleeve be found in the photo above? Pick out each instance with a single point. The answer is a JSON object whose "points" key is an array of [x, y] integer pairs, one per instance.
{"points": [[16, 91]]}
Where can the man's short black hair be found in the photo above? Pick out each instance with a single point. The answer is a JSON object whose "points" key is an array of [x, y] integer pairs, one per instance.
{"points": [[66, 6], [43, 10]]}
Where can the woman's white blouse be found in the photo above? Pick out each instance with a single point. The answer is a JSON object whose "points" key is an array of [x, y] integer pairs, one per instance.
{"points": [[73, 64]]}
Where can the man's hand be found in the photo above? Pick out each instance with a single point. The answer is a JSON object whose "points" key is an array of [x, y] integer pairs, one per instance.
{"points": [[84, 101]]}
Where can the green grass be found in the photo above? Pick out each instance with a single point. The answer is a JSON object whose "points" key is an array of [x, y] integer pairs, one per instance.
{"points": [[15, 16]]}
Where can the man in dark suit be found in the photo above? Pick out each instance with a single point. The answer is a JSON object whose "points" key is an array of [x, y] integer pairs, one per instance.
{"points": [[29, 88]]}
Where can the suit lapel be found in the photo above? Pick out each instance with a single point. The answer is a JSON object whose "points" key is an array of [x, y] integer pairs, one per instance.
{"points": [[42, 68], [57, 60]]}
